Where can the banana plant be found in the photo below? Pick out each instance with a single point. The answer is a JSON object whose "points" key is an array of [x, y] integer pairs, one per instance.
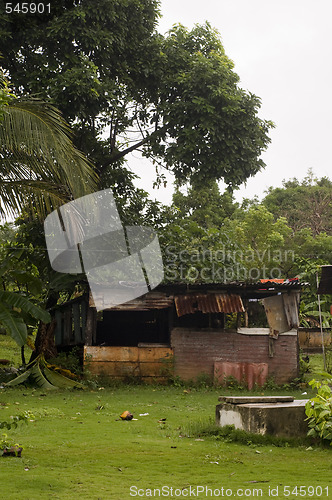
{"points": [[42, 374], [309, 314], [16, 311]]}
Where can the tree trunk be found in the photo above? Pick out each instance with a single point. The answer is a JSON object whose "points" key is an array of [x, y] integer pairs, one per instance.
{"points": [[45, 341]]}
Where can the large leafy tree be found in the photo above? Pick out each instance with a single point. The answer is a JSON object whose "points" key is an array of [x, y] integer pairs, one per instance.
{"points": [[125, 87], [306, 204], [204, 204]]}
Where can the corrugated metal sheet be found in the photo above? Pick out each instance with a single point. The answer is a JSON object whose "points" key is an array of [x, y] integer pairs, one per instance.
{"points": [[152, 300], [230, 303], [208, 303]]}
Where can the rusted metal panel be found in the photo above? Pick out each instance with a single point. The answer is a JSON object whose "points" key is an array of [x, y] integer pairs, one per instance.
{"points": [[276, 316], [185, 304], [153, 354], [250, 374], [313, 339], [230, 303], [291, 304], [151, 300], [114, 369], [121, 362], [111, 353], [155, 369], [208, 303]]}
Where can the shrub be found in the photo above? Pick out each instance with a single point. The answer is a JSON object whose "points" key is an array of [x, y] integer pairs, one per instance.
{"points": [[319, 411]]}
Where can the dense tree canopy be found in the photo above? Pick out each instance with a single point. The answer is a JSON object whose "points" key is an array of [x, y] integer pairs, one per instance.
{"points": [[125, 87], [211, 238], [306, 204]]}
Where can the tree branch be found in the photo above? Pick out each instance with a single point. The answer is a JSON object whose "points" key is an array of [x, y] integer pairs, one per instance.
{"points": [[120, 154]]}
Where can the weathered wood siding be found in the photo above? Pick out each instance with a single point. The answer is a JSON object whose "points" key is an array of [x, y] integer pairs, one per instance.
{"points": [[149, 363]]}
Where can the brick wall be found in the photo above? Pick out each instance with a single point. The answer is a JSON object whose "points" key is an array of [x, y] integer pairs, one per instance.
{"points": [[196, 350]]}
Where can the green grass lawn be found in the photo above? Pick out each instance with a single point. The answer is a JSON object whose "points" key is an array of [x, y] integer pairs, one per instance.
{"points": [[10, 350], [77, 448]]}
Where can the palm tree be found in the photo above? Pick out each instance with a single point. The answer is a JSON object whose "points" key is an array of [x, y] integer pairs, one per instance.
{"points": [[40, 168]]}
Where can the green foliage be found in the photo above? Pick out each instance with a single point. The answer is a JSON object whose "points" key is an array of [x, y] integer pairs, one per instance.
{"points": [[68, 361], [204, 204], [304, 366], [211, 239], [310, 316], [40, 168], [209, 124], [15, 420], [42, 374], [328, 360], [319, 410], [305, 204], [11, 306], [5, 95], [176, 98], [8, 445]]}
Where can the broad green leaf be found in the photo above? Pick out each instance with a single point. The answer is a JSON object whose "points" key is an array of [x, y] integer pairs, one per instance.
{"points": [[20, 302], [33, 283], [14, 325], [20, 379], [39, 378], [59, 380]]}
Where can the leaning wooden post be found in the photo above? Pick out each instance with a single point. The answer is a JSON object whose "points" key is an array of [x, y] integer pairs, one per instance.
{"points": [[91, 325], [321, 324]]}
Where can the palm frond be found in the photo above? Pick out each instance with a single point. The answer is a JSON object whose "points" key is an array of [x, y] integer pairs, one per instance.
{"points": [[35, 150]]}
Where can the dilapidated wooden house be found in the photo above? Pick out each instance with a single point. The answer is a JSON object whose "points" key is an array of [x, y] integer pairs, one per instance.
{"points": [[187, 331]]}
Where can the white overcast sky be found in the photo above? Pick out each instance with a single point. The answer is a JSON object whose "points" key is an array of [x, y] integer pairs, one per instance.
{"points": [[282, 50]]}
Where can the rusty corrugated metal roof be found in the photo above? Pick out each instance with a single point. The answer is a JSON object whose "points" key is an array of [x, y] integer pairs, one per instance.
{"points": [[208, 303], [152, 300], [185, 304], [230, 303]]}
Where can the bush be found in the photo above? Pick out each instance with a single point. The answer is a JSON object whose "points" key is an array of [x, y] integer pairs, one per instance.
{"points": [[319, 411]]}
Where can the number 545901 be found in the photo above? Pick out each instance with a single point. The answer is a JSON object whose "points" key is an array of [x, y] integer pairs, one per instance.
{"points": [[28, 8]]}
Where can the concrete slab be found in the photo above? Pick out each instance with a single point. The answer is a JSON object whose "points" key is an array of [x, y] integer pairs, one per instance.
{"points": [[255, 399], [281, 419]]}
